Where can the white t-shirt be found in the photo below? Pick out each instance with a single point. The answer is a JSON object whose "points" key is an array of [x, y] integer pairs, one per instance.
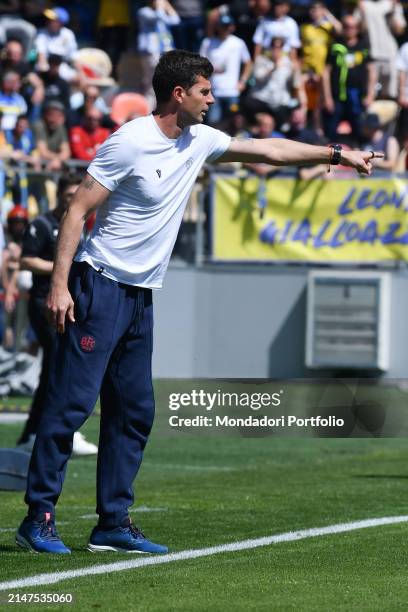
{"points": [[383, 45], [274, 84], [285, 28], [226, 56], [151, 177], [402, 64], [154, 35], [63, 43]]}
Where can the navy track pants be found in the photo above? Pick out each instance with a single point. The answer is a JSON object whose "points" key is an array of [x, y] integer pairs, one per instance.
{"points": [[108, 351]]}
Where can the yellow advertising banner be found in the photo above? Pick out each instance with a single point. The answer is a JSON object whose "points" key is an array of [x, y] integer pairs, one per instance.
{"points": [[347, 220]]}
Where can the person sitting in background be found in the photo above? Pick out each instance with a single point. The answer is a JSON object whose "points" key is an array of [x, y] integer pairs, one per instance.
{"points": [[278, 86], [58, 39], [374, 138], [91, 98], [280, 26], [12, 103], [299, 129], [228, 54], [21, 144], [264, 127], [52, 137], [349, 79], [301, 132], [86, 138], [237, 125], [12, 60], [55, 88]]}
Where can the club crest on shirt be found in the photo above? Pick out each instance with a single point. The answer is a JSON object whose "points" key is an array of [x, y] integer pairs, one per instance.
{"points": [[189, 163], [158, 171], [87, 344]]}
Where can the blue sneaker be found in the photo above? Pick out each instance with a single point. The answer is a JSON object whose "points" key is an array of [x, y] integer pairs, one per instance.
{"points": [[125, 538], [40, 535]]}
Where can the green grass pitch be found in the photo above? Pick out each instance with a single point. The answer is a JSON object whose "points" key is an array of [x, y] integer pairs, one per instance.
{"points": [[202, 491]]}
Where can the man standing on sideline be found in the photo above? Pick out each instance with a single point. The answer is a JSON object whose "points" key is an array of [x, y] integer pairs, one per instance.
{"points": [[101, 305], [37, 256]]}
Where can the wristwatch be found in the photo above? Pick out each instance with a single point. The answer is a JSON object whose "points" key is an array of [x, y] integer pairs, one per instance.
{"points": [[336, 154]]}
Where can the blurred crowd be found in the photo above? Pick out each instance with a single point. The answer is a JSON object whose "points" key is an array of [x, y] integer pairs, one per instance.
{"points": [[316, 72], [308, 70]]}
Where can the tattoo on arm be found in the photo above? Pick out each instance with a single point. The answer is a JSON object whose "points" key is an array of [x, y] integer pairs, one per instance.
{"points": [[88, 182]]}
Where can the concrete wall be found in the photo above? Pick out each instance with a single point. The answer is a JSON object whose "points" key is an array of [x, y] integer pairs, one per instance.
{"points": [[248, 322]]}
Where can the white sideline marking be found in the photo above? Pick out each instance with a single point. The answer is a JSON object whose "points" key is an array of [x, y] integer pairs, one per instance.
{"points": [[120, 566]]}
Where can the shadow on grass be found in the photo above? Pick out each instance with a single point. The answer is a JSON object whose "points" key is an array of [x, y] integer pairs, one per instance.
{"points": [[10, 548], [380, 476]]}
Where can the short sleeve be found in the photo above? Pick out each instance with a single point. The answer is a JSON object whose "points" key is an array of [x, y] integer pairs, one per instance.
{"points": [[259, 35], [114, 161], [402, 58], [245, 56], [216, 142], [39, 131], [294, 40]]}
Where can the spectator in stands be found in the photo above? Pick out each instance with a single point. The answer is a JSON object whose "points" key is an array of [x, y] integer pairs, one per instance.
{"points": [[58, 39], [91, 98], [52, 137], [17, 222], [375, 138], [348, 80], [300, 131], [265, 127], [55, 88], [280, 26], [38, 251], [154, 37], [316, 36], [12, 60], [232, 68], [402, 67], [86, 138], [21, 144], [277, 85], [113, 28], [383, 20], [247, 15], [189, 33], [12, 103], [237, 125]]}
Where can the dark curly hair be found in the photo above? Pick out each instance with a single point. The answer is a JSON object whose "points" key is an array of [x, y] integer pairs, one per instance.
{"points": [[178, 68]]}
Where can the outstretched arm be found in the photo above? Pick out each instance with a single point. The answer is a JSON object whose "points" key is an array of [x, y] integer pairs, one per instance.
{"points": [[283, 152], [88, 197]]}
